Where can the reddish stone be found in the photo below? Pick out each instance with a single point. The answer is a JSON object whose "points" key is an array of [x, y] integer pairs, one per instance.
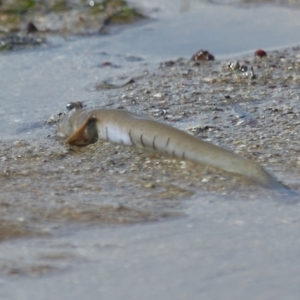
{"points": [[260, 53], [202, 55]]}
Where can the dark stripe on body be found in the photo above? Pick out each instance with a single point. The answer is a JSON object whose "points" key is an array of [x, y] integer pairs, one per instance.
{"points": [[153, 144], [167, 142], [183, 155], [142, 142], [131, 139], [106, 131]]}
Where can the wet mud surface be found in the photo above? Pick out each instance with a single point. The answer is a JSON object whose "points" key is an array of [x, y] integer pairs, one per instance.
{"points": [[46, 185]]}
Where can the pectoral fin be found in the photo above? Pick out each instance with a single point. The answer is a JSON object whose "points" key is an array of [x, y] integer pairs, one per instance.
{"points": [[79, 137]]}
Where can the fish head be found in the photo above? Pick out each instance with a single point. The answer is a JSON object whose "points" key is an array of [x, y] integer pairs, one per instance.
{"points": [[77, 126]]}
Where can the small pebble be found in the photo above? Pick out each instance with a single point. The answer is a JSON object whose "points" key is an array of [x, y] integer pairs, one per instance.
{"points": [[202, 55], [260, 53], [149, 185]]}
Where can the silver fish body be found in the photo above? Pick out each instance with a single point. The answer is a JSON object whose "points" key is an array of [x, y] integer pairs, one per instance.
{"points": [[84, 126]]}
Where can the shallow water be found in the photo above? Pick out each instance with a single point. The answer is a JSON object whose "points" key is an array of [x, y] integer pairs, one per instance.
{"points": [[229, 249], [112, 222]]}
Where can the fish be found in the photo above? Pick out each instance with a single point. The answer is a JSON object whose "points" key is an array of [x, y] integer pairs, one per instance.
{"points": [[83, 126]]}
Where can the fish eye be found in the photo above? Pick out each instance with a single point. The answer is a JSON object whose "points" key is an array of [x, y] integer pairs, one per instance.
{"points": [[70, 106], [74, 105]]}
